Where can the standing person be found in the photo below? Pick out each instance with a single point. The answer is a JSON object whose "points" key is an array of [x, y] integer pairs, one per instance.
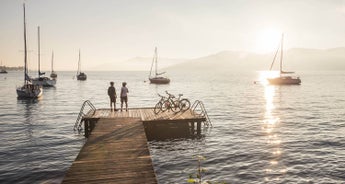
{"points": [[124, 98], [112, 95]]}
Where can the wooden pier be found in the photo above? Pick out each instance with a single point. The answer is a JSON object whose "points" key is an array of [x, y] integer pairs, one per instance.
{"points": [[164, 123], [117, 150]]}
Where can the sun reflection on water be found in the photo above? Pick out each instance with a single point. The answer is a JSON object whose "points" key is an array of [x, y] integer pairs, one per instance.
{"points": [[264, 75], [275, 169]]}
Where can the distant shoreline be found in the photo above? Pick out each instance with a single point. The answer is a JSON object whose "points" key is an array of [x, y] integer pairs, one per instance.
{"points": [[17, 68]]}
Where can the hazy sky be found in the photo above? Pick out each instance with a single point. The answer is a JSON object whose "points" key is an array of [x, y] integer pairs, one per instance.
{"points": [[112, 31]]}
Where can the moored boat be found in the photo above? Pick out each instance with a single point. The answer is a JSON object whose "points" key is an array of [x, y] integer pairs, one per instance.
{"points": [[157, 79], [80, 75], [284, 78], [42, 80], [53, 74], [3, 69], [28, 90]]}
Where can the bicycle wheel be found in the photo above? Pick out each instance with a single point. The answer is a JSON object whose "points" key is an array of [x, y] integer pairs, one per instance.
{"points": [[157, 108], [184, 104], [175, 107], [165, 105]]}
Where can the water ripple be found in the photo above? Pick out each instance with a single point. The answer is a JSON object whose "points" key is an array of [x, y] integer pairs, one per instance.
{"points": [[261, 134]]}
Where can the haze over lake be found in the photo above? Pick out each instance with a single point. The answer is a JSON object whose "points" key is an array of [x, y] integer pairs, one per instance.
{"points": [[112, 32]]}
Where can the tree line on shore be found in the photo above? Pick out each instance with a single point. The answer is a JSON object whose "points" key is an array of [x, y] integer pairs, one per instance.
{"points": [[14, 68]]}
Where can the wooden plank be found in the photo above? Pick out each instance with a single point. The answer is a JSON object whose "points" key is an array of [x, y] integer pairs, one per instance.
{"points": [[115, 152], [147, 114]]}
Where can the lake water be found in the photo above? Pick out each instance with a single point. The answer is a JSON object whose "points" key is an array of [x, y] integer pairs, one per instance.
{"points": [[261, 133]]}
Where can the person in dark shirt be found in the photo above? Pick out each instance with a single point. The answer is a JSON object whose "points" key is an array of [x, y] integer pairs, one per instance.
{"points": [[112, 96]]}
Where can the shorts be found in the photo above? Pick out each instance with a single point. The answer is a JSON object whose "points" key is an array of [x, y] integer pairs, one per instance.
{"points": [[113, 99], [124, 99]]}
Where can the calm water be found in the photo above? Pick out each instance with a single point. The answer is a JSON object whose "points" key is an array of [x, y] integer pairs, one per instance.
{"points": [[261, 134]]}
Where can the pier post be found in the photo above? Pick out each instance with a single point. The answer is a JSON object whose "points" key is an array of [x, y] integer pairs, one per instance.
{"points": [[192, 128], [198, 128], [86, 128]]}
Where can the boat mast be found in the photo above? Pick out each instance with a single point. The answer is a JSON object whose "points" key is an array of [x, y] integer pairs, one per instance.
{"points": [[79, 64], [281, 54], [39, 51], [153, 60], [156, 58], [25, 49], [52, 61]]}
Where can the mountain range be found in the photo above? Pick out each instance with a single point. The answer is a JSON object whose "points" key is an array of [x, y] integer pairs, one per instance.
{"points": [[296, 59], [138, 64]]}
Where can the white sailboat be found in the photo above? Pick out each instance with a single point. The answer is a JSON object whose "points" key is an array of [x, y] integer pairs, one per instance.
{"points": [[41, 79], [283, 78], [157, 79], [3, 68], [80, 75], [28, 90], [53, 73]]}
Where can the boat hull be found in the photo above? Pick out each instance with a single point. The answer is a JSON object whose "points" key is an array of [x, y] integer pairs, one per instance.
{"points": [[53, 75], [81, 76], [159, 80], [29, 91], [44, 81], [284, 81]]}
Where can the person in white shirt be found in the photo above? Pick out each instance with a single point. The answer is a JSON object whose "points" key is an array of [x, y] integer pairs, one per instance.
{"points": [[124, 98]]}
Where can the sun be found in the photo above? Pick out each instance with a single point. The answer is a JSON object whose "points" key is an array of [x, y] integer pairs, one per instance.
{"points": [[268, 40]]}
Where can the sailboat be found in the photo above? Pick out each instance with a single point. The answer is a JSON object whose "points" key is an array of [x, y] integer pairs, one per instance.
{"points": [[53, 74], [28, 90], [80, 75], [157, 79], [3, 68], [41, 79], [284, 78]]}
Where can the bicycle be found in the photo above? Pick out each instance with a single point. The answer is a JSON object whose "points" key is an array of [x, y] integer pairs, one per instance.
{"points": [[183, 104], [170, 103], [166, 103], [158, 106]]}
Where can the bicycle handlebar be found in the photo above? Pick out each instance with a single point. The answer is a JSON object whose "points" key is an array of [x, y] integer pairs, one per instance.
{"points": [[160, 95], [170, 95]]}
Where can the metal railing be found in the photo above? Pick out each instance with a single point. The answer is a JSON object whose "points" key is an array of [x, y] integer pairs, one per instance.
{"points": [[202, 111], [79, 122]]}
